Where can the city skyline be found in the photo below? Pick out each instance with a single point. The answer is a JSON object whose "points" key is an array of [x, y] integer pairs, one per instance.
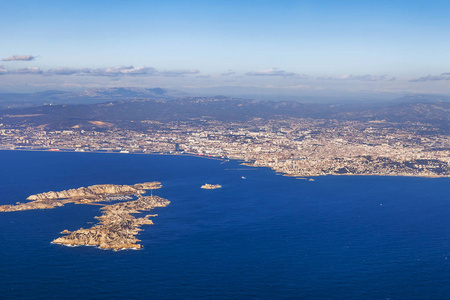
{"points": [[291, 48]]}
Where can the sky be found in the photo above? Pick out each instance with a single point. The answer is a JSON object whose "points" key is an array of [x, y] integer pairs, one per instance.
{"points": [[297, 48]]}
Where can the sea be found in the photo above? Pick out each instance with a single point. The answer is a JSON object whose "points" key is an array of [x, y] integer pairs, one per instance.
{"points": [[261, 236]]}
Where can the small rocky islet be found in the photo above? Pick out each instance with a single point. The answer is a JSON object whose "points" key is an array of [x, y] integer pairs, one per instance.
{"points": [[117, 227], [208, 186]]}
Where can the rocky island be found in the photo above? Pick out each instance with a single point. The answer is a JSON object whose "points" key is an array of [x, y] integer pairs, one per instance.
{"points": [[208, 186], [117, 228]]}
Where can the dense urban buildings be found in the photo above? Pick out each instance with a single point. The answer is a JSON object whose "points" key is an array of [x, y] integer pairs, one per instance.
{"points": [[292, 146]]}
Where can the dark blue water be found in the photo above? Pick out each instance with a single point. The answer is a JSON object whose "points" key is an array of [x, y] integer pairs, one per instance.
{"points": [[266, 236]]}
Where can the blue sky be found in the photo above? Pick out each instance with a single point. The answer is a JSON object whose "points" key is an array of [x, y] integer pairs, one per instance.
{"points": [[291, 47]]}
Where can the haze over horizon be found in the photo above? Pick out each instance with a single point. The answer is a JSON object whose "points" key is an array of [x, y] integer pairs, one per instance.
{"points": [[291, 48]]}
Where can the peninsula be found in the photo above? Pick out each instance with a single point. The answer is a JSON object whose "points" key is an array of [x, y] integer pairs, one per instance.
{"points": [[117, 228]]}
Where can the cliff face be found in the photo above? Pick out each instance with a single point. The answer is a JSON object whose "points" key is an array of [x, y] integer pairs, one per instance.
{"points": [[90, 194]]}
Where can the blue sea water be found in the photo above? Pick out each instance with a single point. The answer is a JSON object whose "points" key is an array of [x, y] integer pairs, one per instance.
{"points": [[266, 236]]}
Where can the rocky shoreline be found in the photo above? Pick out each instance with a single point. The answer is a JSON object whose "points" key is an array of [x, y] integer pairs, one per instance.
{"points": [[117, 228], [82, 195]]}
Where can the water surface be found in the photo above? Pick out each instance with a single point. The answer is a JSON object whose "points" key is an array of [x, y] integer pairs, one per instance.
{"points": [[266, 236]]}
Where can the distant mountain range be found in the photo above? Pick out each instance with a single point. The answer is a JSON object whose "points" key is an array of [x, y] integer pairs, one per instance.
{"points": [[423, 98], [87, 96], [132, 114], [99, 95]]}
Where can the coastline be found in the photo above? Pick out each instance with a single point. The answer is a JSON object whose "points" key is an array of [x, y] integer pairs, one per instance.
{"points": [[223, 159]]}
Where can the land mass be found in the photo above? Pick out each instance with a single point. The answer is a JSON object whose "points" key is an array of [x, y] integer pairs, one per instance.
{"points": [[117, 228], [297, 139]]}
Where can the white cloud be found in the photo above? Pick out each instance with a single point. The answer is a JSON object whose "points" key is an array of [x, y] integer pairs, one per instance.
{"points": [[61, 71], [443, 76], [27, 71], [177, 73], [366, 77], [274, 72], [106, 72], [121, 70], [19, 58]]}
